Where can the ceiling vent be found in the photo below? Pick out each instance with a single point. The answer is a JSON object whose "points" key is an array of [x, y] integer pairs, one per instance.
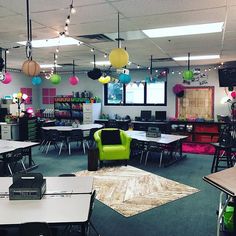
{"points": [[94, 38], [162, 59]]}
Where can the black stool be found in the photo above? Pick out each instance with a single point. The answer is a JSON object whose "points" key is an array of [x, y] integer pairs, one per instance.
{"points": [[222, 154]]}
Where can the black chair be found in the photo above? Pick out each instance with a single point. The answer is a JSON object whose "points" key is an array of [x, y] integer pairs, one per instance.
{"points": [[223, 150], [89, 223], [67, 175], [52, 137], [76, 136], [138, 147], [154, 147], [12, 159], [34, 229]]}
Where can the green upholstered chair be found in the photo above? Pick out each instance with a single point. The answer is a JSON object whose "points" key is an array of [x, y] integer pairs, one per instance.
{"points": [[113, 151]]}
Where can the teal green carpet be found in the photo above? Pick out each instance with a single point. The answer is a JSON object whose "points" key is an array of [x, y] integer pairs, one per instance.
{"points": [[194, 215]]}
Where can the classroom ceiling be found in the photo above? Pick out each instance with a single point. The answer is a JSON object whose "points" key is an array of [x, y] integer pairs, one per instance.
{"points": [[101, 17]]}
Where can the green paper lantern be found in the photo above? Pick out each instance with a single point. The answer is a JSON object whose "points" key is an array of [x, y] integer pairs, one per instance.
{"points": [[55, 79], [187, 75]]}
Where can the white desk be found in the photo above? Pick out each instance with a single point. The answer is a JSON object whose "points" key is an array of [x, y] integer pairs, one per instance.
{"points": [[7, 146], [84, 127], [73, 208], [56, 185], [170, 141], [164, 139]]}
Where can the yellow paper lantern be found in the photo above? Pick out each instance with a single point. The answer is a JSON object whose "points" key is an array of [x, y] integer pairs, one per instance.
{"points": [[104, 80], [31, 68], [118, 58], [19, 95]]}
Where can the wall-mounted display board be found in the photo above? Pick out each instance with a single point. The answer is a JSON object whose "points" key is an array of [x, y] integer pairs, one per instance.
{"points": [[197, 102]]}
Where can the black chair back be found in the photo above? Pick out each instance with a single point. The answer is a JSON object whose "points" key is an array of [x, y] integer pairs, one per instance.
{"points": [[76, 135], [35, 229]]}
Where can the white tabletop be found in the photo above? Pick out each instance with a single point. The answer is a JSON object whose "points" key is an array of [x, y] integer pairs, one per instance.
{"points": [[9, 145], [164, 139], [56, 185], [70, 128], [71, 208]]}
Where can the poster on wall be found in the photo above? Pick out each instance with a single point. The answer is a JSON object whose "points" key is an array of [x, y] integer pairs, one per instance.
{"points": [[48, 95], [27, 91], [197, 103]]}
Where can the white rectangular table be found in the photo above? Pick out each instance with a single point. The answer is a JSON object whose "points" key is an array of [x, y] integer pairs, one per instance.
{"points": [[168, 140], [7, 146], [53, 209], [56, 185], [67, 200]]}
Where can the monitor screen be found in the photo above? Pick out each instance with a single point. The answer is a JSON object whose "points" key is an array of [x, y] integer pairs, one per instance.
{"points": [[160, 115], [227, 77], [146, 115]]}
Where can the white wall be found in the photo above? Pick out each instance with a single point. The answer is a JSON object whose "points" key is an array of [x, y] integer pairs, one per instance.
{"points": [[85, 83]]}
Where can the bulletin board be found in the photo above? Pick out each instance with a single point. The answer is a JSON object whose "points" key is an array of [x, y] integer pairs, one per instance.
{"points": [[197, 102]]}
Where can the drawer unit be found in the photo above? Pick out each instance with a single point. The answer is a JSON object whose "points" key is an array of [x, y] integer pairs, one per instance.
{"points": [[10, 132]]}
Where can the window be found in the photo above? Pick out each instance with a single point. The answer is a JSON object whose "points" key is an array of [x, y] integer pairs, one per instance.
{"points": [[136, 93], [114, 93]]}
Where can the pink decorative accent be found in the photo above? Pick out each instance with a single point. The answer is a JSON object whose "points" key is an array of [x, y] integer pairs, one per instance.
{"points": [[197, 148], [7, 79], [73, 80]]}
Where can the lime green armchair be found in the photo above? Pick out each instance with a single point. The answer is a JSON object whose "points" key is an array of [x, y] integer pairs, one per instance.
{"points": [[109, 148]]}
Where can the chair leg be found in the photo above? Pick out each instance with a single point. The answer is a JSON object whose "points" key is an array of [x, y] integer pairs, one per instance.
{"points": [[69, 148], [49, 143], [146, 158], [60, 148], [94, 228], [83, 146], [141, 157], [23, 165], [9, 168], [161, 159]]}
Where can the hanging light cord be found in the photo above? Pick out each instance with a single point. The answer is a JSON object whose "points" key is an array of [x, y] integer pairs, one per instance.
{"points": [[73, 67], [189, 61], [5, 61], [28, 48]]}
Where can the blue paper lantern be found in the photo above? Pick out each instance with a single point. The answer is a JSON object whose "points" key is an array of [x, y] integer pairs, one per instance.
{"points": [[124, 79], [36, 80]]}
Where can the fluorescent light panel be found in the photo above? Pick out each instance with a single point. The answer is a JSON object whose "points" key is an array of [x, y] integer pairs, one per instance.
{"points": [[192, 58], [184, 30], [60, 41], [102, 63], [49, 66]]}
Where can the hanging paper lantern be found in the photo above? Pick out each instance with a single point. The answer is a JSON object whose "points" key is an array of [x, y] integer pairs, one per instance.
{"points": [[7, 78], [104, 80], [233, 94], [73, 80], [118, 58], [187, 75], [31, 68], [30, 110], [94, 74], [124, 79], [55, 79], [36, 80], [19, 95]]}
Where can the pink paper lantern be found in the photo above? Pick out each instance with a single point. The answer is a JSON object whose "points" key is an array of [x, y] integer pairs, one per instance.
{"points": [[7, 79], [233, 94], [74, 80]]}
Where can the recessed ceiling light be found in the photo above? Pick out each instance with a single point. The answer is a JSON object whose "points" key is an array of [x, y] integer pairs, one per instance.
{"points": [[184, 30], [102, 63], [204, 57], [52, 42], [49, 66]]}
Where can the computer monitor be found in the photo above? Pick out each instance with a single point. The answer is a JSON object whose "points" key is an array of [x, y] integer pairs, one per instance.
{"points": [[146, 115], [160, 115]]}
